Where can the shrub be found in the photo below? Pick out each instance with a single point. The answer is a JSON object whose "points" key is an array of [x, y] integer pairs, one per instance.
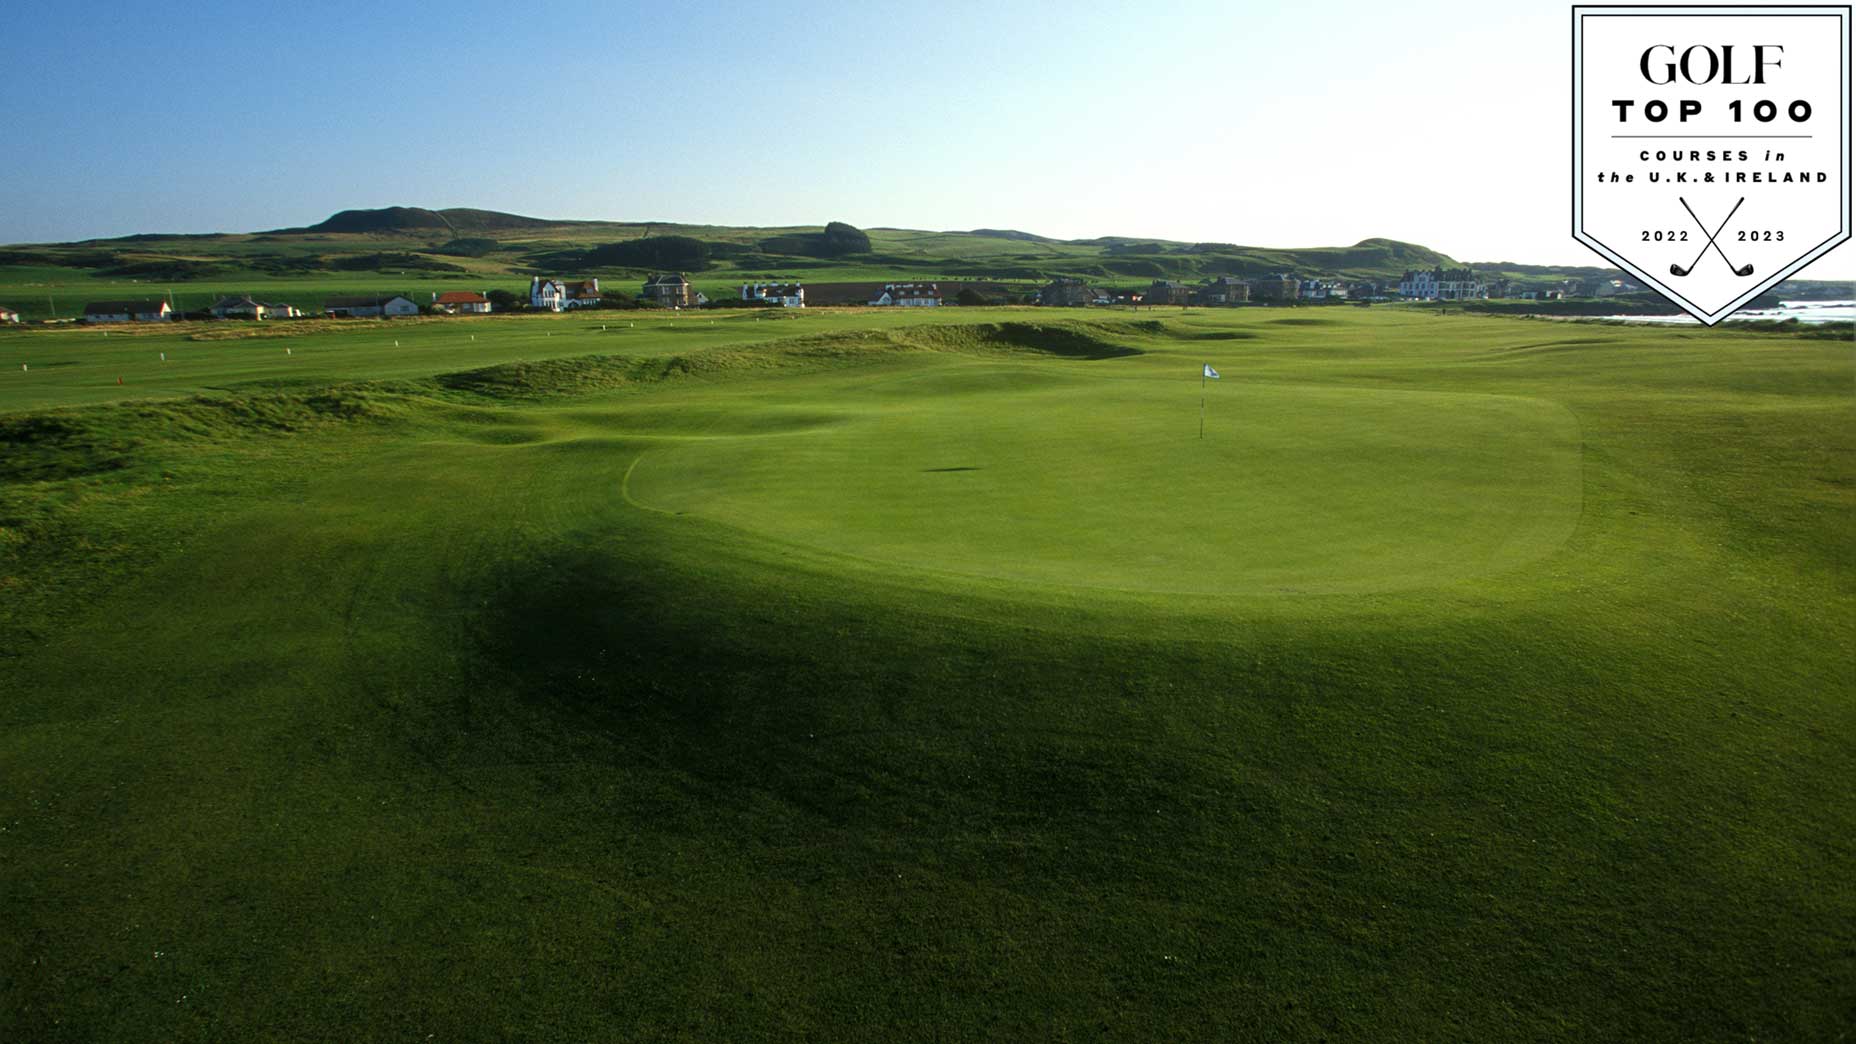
{"points": [[837, 240], [467, 247], [675, 253]]}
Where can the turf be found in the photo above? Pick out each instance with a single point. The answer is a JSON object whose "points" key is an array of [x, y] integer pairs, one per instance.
{"points": [[859, 676]]}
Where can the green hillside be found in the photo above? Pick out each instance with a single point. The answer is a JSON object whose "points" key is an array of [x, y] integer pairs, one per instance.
{"points": [[417, 251]]}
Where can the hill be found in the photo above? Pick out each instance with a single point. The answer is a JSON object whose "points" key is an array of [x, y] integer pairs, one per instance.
{"points": [[418, 250], [1012, 233], [415, 219]]}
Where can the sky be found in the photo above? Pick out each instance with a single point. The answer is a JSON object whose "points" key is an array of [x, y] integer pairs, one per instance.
{"points": [[1444, 124]]}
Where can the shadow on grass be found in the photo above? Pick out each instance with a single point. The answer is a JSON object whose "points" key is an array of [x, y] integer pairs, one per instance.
{"points": [[810, 724]]}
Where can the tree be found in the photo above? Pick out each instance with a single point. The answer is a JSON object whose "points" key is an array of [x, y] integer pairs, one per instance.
{"points": [[840, 239], [671, 253]]}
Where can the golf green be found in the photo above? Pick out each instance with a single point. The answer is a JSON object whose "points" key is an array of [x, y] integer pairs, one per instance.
{"points": [[1017, 474]]}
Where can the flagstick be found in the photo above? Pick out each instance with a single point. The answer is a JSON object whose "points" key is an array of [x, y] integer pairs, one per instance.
{"points": [[1202, 399]]}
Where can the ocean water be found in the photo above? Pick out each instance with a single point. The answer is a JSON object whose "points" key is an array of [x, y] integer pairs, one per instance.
{"points": [[1803, 311]]}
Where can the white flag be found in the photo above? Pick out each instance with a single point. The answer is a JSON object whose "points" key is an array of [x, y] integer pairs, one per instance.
{"points": [[1209, 372]]}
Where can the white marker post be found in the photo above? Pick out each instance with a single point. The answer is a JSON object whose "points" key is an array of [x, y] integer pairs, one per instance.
{"points": [[1205, 370]]}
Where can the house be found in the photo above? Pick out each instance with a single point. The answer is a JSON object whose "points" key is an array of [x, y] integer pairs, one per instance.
{"points": [[1440, 284], [1276, 286], [1127, 297], [793, 296], [1168, 292], [1320, 290], [558, 295], [236, 308], [452, 302], [127, 312], [1224, 290], [1066, 293], [908, 295], [370, 307], [7, 315], [668, 290], [246, 308], [860, 294]]}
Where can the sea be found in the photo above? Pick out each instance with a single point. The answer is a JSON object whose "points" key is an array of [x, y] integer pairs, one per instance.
{"points": [[1803, 311]]}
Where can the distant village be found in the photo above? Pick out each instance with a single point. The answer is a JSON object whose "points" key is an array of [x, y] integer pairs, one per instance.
{"points": [[673, 290]]}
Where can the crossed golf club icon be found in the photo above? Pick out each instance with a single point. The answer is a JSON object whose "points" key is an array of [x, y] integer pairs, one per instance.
{"points": [[1742, 270]]}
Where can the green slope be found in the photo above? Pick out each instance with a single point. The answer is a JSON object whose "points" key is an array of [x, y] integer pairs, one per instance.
{"points": [[417, 251]]}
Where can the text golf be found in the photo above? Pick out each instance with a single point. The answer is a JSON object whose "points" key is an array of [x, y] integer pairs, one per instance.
{"points": [[1663, 65]]}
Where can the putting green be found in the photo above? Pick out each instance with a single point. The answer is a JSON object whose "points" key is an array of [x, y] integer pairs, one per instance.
{"points": [[1100, 479]]}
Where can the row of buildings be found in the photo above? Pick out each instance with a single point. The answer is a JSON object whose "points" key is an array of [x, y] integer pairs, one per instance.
{"points": [[1221, 291], [674, 290], [160, 311], [1435, 284]]}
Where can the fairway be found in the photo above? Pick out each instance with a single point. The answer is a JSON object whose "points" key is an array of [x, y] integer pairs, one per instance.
{"points": [[852, 675], [1065, 479]]}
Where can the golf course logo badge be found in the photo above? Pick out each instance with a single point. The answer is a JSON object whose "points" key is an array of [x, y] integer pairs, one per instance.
{"points": [[1711, 145]]}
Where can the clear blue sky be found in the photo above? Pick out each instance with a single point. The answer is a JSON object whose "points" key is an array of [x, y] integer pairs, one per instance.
{"points": [[1184, 120]]}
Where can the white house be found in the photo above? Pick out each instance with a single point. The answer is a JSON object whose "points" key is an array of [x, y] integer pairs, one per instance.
{"points": [[555, 295], [793, 296], [127, 312], [246, 308], [454, 302], [908, 295], [1322, 290], [236, 308], [1438, 284], [369, 307]]}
